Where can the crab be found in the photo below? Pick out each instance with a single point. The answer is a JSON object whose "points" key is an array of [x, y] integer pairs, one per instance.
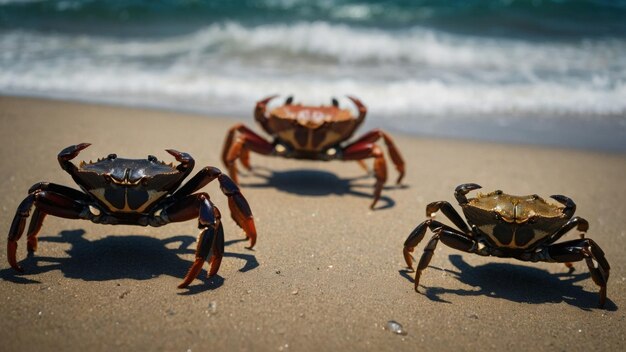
{"points": [[501, 225], [142, 192], [311, 133]]}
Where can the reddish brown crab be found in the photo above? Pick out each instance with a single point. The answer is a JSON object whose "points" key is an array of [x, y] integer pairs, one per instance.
{"points": [[135, 192], [311, 133], [501, 225]]}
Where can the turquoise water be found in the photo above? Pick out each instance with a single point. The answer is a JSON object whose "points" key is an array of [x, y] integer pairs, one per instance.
{"points": [[541, 72]]}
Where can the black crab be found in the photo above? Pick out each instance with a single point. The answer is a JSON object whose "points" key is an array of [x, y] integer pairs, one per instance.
{"points": [[142, 192]]}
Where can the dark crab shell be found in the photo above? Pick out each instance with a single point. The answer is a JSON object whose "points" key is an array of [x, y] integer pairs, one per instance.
{"points": [[311, 128], [514, 222], [128, 185]]}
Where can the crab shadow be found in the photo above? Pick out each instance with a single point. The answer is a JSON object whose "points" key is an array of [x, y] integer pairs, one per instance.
{"points": [[517, 283], [308, 182], [123, 257]]}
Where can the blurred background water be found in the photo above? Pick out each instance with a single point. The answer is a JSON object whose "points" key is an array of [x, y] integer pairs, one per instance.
{"points": [[549, 72]]}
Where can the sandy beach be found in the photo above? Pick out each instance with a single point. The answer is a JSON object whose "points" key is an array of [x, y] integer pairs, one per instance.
{"points": [[327, 273]]}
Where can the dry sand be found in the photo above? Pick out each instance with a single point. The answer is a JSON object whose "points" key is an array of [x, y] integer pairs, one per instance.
{"points": [[327, 273]]}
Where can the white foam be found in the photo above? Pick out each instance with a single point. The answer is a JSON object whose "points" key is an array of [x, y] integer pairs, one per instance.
{"points": [[406, 73]]}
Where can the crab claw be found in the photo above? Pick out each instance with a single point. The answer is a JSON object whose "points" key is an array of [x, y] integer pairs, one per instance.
{"points": [[72, 151], [462, 190], [359, 105], [185, 160], [570, 206], [261, 104]]}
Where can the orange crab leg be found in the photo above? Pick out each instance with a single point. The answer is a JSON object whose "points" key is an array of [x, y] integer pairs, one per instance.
{"points": [[394, 153], [369, 150], [239, 148]]}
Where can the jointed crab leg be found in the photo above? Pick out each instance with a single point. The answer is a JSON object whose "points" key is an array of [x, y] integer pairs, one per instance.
{"points": [[447, 210], [375, 135], [211, 239], [448, 235], [576, 222], [239, 208], [38, 216], [587, 249], [240, 148], [368, 150], [45, 202]]}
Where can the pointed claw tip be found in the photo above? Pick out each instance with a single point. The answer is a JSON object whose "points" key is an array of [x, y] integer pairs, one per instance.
{"points": [[173, 152]]}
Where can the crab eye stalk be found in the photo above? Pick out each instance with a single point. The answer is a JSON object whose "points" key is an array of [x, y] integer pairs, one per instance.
{"points": [[152, 158], [111, 156]]}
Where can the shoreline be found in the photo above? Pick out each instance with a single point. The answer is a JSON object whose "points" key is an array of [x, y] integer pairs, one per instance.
{"points": [[559, 132], [327, 273]]}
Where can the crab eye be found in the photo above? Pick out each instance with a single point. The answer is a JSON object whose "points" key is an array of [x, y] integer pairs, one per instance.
{"points": [[112, 156], [152, 158]]}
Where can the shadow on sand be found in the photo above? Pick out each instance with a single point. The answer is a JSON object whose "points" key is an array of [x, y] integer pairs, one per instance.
{"points": [[123, 257], [318, 183], [515, 283]]}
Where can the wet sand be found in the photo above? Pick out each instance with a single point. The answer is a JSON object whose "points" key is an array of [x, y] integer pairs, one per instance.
{"points": [[327, 273]]}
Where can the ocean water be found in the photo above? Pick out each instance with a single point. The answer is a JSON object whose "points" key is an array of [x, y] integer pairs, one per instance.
{"points": [[548, 72]]}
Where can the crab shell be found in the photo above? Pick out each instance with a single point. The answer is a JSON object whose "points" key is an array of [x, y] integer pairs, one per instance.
{"points": [[310, 128], [514, 222], [128, 185]]}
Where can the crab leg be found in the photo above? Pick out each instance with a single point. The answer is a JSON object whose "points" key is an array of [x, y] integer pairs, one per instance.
{"points": [[447, 210], [450, 237], [375, 135], [417, 235], [369, 150], [38, 216], [45, 202], [240, 148], [210, 240], [587, 249], [576, 222], [239, 208]]}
